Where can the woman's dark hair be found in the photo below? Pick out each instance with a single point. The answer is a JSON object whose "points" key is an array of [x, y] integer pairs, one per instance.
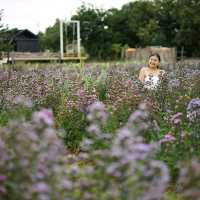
{"points": [[157, 55]]}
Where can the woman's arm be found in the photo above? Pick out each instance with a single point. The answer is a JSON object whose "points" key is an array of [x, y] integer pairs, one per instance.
{"points": [[142, 75]]}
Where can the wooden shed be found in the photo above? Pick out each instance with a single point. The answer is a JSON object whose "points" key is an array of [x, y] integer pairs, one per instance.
{"points": [[23, 41]]}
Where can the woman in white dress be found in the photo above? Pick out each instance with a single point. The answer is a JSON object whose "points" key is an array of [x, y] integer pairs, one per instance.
{"points": [[150, 75]]}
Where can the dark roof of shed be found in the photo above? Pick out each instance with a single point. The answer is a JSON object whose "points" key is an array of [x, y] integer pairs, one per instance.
{"points": [[18, 33], [25, 31], [13, 34]]}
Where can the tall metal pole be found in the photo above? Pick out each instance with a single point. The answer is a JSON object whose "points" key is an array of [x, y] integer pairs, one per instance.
{"points": [[78, 39], [61, 40], [78, 36]]}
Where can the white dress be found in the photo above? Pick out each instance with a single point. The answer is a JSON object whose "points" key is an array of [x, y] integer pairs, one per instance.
{"points": [[151, 82]]}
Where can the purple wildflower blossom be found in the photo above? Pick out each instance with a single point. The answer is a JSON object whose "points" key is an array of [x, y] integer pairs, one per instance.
{"points": [[45, 116], [167, 138], [193, 110], [176, 118], [41, 187]]}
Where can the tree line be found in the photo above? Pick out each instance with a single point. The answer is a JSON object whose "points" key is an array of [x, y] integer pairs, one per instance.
{"points": [[141, 23]]}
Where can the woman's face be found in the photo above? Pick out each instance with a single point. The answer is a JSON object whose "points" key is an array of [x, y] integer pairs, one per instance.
{"points": [[154, 62]]}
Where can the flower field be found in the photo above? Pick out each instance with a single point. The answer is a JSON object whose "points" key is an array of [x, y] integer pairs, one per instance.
{"points": [[94, 133]]}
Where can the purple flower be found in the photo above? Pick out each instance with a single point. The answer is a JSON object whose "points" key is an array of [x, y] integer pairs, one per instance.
{"points": [[189, 179], [124, 133], [2, 178], [174, 83], [97, 113], [97, 106], [41, 187], [66, 184], [141, 147], [167, 138], [2, 190], [45, 116], [193, 110], [94, 128], [23, 100], [176, 118]]}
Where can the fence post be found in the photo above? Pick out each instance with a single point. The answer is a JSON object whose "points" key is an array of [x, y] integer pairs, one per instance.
{"points": [[182, 53]]}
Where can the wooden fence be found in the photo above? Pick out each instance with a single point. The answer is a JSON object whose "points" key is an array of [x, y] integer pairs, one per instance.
{"points": [[168, 55]]}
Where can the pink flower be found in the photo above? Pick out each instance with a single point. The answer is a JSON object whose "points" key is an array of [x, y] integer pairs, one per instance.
{"points": [[167, 138], [2, 178]]}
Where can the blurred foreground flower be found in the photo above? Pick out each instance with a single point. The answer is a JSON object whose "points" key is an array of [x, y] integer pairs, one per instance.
{"points": [[32, 160], [126, 168], [189, 180], [44, 116], [2, 187]]}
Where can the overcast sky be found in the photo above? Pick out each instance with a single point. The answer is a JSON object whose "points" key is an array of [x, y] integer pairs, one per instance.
{"points": [[37, 15]]}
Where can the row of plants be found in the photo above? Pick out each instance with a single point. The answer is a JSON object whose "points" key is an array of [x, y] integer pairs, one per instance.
{"points": [[95, 133]]}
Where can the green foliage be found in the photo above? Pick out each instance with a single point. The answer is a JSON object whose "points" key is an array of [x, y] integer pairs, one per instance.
{"points": [[117, 118], [171, 23], [3, 29], [113, 85], [51, 38], [95, 32], [116, 50], [74, 124], [189, 22], [171, 195], [16, 112], [1, 24]]}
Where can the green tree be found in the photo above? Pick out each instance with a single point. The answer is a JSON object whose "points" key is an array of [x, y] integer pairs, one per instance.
{"points": [[3, 29], [189, 26], [117, 21], [179, 24], [142, 22], [50, 39], [167, 18], [96, 35], [172, 23]]}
